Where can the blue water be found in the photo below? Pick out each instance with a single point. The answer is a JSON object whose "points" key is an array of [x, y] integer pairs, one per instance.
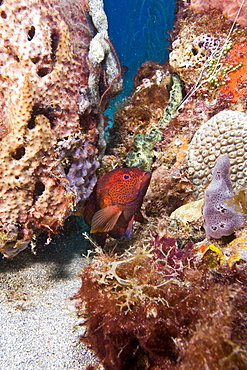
{"points": [[138, 30]]}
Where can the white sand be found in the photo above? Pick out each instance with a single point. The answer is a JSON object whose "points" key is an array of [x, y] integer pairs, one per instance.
{"points": [[38, 323]]}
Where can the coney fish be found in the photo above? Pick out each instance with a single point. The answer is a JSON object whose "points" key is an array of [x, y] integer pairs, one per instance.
{"points": [[116, 202]]}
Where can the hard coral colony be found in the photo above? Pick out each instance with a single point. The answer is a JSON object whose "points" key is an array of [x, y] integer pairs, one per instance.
{"points": [[175, 299]]}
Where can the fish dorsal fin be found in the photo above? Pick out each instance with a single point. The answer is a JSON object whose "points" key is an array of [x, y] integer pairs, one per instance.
{"points": [[105, 219]]}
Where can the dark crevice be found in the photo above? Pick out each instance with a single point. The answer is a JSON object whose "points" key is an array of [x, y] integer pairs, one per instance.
{"points": [[54, 45], [3, 15], [16, 58], [48, 112], [68, 166], [194, 51], [38, 190], [19, 153], [31, 122], [86, 122], [43, 71], [35, 60], [31, 33]]}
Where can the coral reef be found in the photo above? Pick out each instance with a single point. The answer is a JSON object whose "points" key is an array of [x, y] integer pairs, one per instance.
{"points": [[169, 189], [193, 50], [164, 310], [202, 46], [229, 9], [140, 113], [206, 55], [174, 300], [142, 154], [221, 219], [50, 125], [224, 133]]}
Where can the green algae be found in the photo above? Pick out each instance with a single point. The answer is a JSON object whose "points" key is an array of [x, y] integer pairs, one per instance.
{"points": [[142, 154]]}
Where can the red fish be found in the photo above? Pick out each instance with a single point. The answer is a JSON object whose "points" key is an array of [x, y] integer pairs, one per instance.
{"points": [[116, 202]]}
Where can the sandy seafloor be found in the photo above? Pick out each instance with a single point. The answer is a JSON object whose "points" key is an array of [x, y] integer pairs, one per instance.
{"points": [[38, 323]]}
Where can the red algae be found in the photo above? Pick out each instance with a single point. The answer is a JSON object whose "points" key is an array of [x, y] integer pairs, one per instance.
{"points": [[157, 308]]}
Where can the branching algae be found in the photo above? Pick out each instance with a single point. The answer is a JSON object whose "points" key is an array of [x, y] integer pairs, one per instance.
{"points": [[156, 307]]}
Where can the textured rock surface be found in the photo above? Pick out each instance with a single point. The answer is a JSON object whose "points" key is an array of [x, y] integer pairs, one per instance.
{"points": [[191, 50], [49, 121], [224, 133], [200, 43], [228, 8], [137, 119]]}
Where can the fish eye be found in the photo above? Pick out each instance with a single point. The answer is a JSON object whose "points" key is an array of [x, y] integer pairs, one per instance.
{"points": [[126, 177]]}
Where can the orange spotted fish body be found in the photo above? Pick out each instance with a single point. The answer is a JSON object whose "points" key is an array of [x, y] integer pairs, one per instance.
{"points": [[116, 202]]}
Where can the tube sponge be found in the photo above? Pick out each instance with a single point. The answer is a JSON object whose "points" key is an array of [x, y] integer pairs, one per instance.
{"points": [[219, 218]]}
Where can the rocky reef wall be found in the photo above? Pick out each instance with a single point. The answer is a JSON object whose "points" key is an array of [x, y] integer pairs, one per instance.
{"points": [[51, 104], [174, 298]]}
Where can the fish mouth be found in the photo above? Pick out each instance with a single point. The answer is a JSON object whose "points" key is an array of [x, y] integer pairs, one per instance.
{"points": [[147, 176], [143, 186], [145, 182]]}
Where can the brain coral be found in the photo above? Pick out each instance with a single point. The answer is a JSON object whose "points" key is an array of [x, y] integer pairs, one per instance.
{"points": [[224, 133], [49, 121]]}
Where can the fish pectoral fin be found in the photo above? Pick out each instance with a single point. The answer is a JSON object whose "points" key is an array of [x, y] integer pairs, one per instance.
{"points": [[105, 219], [129, 227]]}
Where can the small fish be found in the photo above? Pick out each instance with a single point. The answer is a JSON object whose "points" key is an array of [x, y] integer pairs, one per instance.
{"points": [[116, 202]]}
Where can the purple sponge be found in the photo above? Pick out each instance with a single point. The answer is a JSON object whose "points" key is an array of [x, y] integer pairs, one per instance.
{"points": [[220, 219]]}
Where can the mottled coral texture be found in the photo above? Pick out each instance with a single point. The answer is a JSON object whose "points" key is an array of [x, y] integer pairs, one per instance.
{"points": [[142, 110], [169, 189], [224, 133], [229, 8], [221, 219], [48, 149], [151, 310]]}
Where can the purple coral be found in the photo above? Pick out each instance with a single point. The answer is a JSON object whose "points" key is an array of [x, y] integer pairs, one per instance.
{"points": [[78, 164], [219, 218]]}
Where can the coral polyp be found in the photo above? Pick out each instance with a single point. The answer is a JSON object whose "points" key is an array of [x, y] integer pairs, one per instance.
{"points": [[224, 133]]}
